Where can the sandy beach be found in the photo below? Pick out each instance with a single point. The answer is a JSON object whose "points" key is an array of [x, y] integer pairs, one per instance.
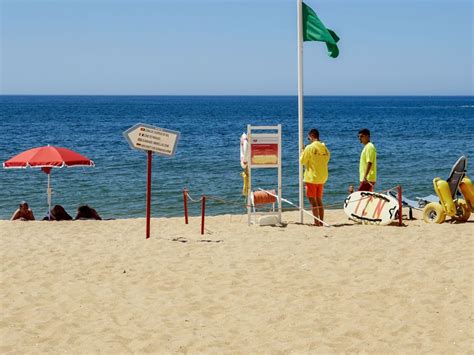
{"points": [[99, 286]]}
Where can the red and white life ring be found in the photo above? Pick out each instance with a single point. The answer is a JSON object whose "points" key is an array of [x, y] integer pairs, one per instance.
{"points": [[244, 153]]}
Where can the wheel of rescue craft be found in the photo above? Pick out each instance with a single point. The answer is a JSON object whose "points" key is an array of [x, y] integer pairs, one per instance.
{"points": [[434, 213], [463, 212]]}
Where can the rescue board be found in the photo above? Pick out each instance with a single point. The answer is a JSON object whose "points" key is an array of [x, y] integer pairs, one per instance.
{"points": [[457, 173], [371, 208]]}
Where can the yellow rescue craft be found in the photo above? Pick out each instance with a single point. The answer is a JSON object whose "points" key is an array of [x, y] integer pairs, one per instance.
{"points": [[447, 191]]}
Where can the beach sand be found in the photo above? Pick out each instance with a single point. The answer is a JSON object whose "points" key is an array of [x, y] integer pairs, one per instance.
{"points": [[99, 286]]}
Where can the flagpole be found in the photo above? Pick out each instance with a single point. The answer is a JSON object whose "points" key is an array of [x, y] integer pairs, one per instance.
{"points": [[300, 103]]}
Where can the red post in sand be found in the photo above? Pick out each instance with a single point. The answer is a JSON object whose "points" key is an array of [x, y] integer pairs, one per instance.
{"points": [[203, 213], [400, 205], [148, 194], [185, 201]]}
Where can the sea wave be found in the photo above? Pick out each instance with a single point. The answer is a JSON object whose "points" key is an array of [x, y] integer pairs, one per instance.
{"points": [[414, 146]]}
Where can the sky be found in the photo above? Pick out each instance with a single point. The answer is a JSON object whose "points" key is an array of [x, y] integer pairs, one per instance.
{"points": [[239, 47]]}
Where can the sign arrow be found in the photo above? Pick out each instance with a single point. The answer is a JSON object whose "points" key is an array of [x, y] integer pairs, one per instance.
{"points": [[145, 137]]}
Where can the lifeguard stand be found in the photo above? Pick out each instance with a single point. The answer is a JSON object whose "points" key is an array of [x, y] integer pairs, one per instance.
{"points": [[264, 146]]}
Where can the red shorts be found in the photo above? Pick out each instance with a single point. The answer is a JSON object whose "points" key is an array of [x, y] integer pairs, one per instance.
{"points": [[314, 190], [366, 186]]}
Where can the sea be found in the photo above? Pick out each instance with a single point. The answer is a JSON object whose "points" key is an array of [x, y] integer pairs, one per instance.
{"points": [[417, 139]]}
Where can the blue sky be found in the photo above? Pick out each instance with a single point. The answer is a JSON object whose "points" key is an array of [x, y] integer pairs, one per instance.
{"points": [[194, 47]]}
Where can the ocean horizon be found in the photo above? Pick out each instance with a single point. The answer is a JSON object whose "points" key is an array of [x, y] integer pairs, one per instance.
{"points": [[417, 139]]}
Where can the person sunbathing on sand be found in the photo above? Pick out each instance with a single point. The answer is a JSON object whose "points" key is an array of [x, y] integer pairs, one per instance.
{"points": [[58, 213], [23, 213], [86, 212]]}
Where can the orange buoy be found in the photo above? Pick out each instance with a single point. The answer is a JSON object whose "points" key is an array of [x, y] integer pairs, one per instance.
{"points": [[263, 197]]}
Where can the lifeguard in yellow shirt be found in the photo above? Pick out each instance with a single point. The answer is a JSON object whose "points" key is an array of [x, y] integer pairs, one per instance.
{"points": [[368, 162], [315, 158]]}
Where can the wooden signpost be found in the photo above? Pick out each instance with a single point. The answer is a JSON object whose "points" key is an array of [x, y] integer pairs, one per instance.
{"points": [[151, 140]]}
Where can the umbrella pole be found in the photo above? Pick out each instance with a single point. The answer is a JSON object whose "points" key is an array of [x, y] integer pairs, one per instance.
{"points": [[49, 195]]}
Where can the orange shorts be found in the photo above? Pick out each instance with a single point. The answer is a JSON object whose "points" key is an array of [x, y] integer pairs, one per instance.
{"points": [[314, 190]]}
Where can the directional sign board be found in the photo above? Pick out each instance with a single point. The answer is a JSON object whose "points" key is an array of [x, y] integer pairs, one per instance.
{"points": [[149, 138]]}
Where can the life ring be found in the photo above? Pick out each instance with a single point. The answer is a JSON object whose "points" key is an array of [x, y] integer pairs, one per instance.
{"points": [[244, 144], [263, 197]]}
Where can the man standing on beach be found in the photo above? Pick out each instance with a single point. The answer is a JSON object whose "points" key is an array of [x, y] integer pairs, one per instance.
{"points": [[315, 158], [368, 162]]}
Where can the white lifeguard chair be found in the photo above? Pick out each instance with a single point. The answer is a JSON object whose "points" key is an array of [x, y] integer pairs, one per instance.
{"points": [[264, 152]]}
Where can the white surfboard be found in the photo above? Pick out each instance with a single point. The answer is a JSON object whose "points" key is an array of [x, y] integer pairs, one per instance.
{"points": [[371, 208]]}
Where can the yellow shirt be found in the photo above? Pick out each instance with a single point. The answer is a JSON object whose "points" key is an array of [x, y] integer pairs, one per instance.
{"points": [[315, 158], [369, 154]]}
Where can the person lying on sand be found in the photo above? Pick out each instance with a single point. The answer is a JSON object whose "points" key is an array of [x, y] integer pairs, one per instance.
{"points": [[58, 213], [23, 213], [86, 212]]}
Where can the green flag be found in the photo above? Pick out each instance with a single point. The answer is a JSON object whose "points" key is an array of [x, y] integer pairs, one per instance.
{"points": [[314, 30]]}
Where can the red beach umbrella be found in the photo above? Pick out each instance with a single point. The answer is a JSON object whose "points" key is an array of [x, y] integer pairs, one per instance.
{"points": [[46, 158]]}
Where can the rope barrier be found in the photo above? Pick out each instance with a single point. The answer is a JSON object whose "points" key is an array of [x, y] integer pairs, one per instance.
{"points": [[192, 199], [227, 201], [221, 200], [203, 198], [224, 201], [299, 208], [186, 196]]}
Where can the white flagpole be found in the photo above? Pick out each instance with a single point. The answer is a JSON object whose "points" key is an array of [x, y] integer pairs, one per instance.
{"points": [[300, 103]]}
